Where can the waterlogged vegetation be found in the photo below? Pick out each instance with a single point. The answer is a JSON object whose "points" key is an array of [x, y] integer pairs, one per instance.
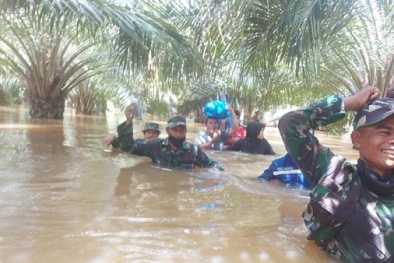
{"points": [[176, 55]]}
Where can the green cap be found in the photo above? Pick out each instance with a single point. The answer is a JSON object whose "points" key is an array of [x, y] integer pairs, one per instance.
{"points": [[151, 126], [175, 121]]}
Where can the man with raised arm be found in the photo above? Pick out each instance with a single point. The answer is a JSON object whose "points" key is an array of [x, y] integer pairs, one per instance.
{"points": [[351, 208], [173, 151]]}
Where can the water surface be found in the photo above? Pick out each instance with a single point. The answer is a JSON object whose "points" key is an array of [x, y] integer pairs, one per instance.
{"points": [[65, 198]]}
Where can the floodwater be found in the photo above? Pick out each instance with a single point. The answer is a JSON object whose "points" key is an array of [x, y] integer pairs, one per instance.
{"points": [[66, 198]]}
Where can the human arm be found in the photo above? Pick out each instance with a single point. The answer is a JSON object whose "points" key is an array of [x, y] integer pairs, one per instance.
{"points": [[204, 141], [236, 146], [294, 127], [268, 173], [125, 131], [202, 160], [311, 157], [235, 125], [126, 140], [223, 124], [267, 149], [110, 140], [357, 101]]}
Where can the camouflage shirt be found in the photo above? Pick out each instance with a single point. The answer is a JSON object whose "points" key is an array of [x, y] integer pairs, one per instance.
{"points": [[186, 157], [351, 211], [116, 143]]}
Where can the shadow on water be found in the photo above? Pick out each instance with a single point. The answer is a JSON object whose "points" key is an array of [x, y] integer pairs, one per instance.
{"points": [[65, 198]]}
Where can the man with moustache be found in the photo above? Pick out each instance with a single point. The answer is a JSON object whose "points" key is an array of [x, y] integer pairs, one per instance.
{"points": [[173, 151]]}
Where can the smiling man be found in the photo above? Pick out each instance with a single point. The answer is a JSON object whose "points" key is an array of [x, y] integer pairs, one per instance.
{"points": [[351, 209]]}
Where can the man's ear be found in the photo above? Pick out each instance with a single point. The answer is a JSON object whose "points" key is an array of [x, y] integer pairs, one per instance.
{"points": [[167, 130], [355, 139]]}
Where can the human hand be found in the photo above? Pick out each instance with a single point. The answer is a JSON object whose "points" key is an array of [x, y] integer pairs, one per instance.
{"points": [[215, 135], [107, 141], [128, 112], [372, 92], [367, 94]]}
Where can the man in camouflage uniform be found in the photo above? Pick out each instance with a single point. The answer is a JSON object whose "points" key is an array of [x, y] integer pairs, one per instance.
{"points": [[351, 209], [151, 130], [173, 151]]}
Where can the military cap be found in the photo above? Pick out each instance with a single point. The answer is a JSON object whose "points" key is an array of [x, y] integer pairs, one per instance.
{"points": [[151, 126], [374, 112], [175, 121]]}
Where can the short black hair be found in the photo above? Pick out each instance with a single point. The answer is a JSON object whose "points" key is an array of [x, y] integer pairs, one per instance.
{"points": [[237, 112], [206, 119]]}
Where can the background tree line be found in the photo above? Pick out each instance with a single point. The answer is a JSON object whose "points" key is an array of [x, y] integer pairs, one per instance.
{"points": [[264, 54]]}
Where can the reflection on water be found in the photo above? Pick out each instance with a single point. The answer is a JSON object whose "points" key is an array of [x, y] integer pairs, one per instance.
{"points": [[65, 198]]}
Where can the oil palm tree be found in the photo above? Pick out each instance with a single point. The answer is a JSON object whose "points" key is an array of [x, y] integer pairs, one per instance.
{"points": [[135, 32], [348, 43]]}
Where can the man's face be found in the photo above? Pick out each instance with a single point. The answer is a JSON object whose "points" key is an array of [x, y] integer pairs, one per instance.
{"points": [[151, 134], [376, 146], [178, 132], [212, 125]]}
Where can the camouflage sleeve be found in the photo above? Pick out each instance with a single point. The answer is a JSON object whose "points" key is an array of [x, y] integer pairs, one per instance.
{"points": [[125, 136], [202, 160], [294, 127], [144, 148], [128, 144], [115, 143]]}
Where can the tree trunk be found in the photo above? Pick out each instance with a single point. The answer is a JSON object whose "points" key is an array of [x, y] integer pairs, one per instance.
{"points": [[47, 108]]}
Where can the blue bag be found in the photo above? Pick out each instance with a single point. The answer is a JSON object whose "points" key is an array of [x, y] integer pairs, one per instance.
{"points": [[216, 109]]}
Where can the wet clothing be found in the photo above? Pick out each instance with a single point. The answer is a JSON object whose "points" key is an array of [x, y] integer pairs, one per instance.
{"points": [[203, 137], [115, 143], [285, 170], [148, 126], [188, 156], [351, 210], [240, 133], [251, 144], [125, 144]]}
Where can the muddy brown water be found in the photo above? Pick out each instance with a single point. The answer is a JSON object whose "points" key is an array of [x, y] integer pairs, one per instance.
{"points": [[66, 198]]}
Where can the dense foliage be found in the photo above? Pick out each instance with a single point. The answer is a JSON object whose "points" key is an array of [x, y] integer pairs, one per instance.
{"points": [[263, 54]]}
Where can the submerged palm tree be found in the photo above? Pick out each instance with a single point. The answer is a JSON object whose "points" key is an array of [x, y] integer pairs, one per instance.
{"points": [[39, 35]]}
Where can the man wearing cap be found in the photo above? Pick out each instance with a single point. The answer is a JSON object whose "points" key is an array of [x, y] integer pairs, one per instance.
{"points": [[151, 130], [351, 208], [173, 151]]}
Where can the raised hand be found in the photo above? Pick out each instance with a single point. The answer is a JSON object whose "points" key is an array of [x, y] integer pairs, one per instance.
{"points": [[128, 112], [367, 95]]}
